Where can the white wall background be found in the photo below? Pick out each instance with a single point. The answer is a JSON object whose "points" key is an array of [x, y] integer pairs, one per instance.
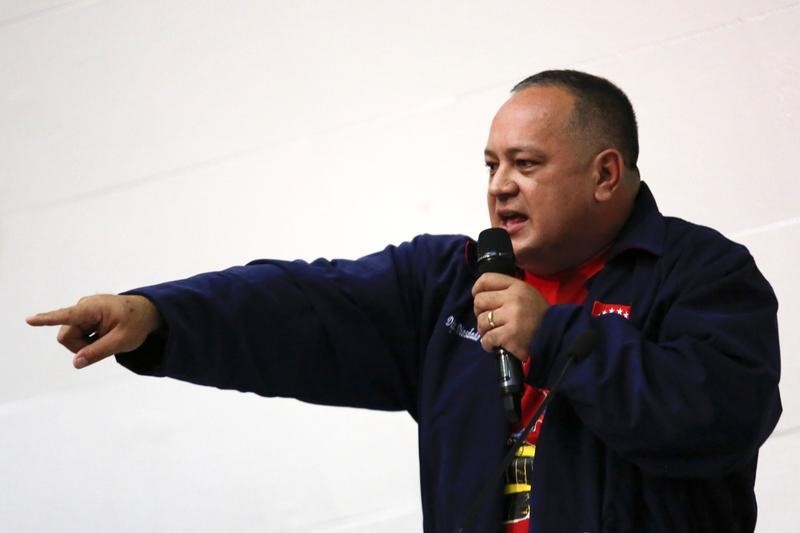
{"points": [[150, 140]]}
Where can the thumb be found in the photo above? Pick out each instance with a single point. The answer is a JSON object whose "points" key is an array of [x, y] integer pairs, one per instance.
{"points": [[109, 344]]}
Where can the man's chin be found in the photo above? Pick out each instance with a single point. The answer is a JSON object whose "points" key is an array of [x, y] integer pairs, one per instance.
{"points": [[524, 256]]}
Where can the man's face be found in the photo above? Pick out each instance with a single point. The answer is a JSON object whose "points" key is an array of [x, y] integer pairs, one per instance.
{"points": [[541, 187]]}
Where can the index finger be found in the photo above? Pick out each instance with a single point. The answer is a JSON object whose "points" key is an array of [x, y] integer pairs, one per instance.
{"points": [[492, 281], [64, 316]]}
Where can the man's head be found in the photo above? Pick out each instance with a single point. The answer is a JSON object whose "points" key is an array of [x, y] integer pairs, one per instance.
{"points": [[603, 116], [562, 163]]}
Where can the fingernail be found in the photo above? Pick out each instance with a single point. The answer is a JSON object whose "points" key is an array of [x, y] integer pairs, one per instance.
{"points": [[80, 362]]}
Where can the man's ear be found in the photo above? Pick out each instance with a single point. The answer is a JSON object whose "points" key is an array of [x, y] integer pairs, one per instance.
{"points": [[608, 171]]}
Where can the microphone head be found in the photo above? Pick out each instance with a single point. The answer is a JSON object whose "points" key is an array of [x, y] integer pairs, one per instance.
{"points": [[495, 252], [583, 344]]}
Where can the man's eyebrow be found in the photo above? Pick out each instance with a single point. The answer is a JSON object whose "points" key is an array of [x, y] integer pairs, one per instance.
{"points": [[515, 150]]}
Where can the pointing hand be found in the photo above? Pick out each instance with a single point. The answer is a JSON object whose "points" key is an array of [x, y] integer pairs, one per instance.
{"points": [[102, 325]]}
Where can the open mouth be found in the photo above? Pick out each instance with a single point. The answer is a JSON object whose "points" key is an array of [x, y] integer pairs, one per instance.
{"points": [[512, 221], [511, 218]]}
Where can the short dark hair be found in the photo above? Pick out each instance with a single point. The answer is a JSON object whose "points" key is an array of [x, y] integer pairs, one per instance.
{"points": [[602, 111]]}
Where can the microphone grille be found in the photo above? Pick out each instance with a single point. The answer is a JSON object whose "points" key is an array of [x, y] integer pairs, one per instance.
{"points": [[495, 252]]}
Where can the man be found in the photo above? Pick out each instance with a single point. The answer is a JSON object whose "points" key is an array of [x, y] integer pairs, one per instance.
{"points": [[657, 429]]}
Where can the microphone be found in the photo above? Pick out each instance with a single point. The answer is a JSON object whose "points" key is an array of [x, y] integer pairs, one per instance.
{"points": [[580, 347], [495, 254]]}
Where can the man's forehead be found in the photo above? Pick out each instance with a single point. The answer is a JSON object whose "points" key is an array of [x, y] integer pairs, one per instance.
{"points": [[531, 113], [538, 102]]}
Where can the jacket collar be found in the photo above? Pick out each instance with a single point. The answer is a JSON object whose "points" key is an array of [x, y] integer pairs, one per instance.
{"points": [[645, 228]]}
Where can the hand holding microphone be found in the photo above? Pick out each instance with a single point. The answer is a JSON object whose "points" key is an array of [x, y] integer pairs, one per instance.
{"points": [[517, 310], [508, 313]]}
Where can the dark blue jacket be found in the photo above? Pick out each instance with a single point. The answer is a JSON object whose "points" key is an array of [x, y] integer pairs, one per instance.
{"points": [[657, 429]]}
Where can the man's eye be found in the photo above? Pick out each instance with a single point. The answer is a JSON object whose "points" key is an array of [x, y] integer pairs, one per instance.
{"points": [[492, 166], [525, 163]]}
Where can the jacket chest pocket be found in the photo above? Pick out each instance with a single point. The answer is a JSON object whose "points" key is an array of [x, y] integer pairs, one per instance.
{"points": [[626, 289]]}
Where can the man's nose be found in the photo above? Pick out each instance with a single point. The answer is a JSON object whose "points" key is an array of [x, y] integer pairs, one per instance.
{"points": [[503, 185]]}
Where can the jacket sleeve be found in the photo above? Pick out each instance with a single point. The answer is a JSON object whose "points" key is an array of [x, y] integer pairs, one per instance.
{"points": [[698, 393], [330, 332]]}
